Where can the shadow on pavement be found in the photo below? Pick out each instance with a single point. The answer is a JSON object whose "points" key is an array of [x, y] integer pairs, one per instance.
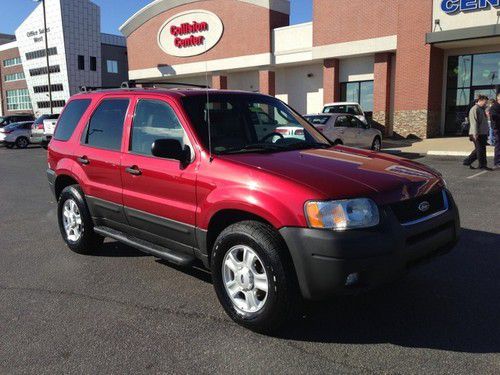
{"points": [[452, 304]]}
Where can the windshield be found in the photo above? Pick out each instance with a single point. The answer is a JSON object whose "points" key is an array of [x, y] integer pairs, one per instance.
{"points": [[250, 123], [317, 120]]}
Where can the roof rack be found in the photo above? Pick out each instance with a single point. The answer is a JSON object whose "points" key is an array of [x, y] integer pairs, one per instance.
{"points": [[134, 83], [95, 88]]}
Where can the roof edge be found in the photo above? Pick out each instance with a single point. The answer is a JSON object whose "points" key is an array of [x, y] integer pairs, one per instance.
{"points": [[159, 6]]}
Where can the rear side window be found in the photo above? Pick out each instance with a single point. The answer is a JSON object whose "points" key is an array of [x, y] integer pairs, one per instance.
{"points": [[70, 118], [154, 120], [105, 128]]}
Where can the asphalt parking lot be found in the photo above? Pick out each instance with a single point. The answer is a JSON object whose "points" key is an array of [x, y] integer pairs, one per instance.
{"points": [[124, 312]]}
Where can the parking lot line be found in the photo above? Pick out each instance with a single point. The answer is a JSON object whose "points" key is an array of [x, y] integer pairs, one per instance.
{"points": [[477, 174]]}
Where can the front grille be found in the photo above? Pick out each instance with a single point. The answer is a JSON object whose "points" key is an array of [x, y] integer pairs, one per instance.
{"points": [[408, 211]]}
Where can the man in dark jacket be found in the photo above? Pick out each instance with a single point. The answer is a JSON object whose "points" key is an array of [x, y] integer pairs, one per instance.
{"points": [[478, 134], [495, 124]]}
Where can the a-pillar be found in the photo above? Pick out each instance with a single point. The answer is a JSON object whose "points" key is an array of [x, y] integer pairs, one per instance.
{"points": [[382, 92], [219, 82], [267, 82], [331, 80]]}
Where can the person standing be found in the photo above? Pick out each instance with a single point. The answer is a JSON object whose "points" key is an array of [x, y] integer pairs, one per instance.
{"points": [[495, 124], [478, 134]]}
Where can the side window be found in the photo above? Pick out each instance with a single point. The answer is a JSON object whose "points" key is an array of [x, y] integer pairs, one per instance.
{"points": [[105, 128], [153, 120], [70, 118], [342, 121], [357, 123]]}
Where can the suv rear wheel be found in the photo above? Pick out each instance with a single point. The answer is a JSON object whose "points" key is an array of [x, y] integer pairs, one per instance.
{"points": [[253, 276], [22, 142], [75, 222]]}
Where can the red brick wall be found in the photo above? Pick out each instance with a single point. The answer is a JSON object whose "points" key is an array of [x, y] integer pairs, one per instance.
{"points": [[413, 55], [337, 21], [5, 86], [247, 31]]}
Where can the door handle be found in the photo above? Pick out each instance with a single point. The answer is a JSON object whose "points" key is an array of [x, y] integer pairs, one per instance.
{"points": [[83, 160], [133, 170]]}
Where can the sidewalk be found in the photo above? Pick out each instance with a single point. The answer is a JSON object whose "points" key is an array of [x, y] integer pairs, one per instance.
{"points": [[449, 146]]}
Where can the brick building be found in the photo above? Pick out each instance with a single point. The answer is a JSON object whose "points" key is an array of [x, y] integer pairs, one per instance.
{"points": [[414, 66]]}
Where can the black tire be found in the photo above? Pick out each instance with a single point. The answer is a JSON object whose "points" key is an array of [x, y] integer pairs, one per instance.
{"points": [[89, 241], [22, 142], [338, 142], [9, 145], [377, 144], [283, 299]]}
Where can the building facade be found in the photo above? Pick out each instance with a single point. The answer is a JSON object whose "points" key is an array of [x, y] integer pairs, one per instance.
{"points": [[79, 55], [414, 66]]}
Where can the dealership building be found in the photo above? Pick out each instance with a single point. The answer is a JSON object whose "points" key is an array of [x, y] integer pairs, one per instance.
{"points": [[415, 66], [79, 55]]}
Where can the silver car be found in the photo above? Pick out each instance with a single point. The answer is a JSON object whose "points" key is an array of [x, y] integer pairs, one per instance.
{"points": [[346, 129], [17, 134]]}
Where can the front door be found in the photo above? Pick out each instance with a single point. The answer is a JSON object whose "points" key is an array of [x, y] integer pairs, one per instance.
{"points": [[158, 194], [99, 157]]}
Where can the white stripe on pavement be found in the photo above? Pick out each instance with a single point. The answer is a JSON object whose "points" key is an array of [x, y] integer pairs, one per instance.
{"points": [[477, 174]]}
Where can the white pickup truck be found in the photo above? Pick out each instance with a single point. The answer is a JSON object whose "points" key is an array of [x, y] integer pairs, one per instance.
{"points": [[49, 125]]}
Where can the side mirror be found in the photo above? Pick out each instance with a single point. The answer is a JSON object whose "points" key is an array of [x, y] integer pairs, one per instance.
{"points": [[171, 149]]}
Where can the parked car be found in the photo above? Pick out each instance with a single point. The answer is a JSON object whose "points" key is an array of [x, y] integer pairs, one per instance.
{"points": [[6, 120], [350, 108], [49, 125], [275, 219], [347, 130], [17, 134], [37, 130]]}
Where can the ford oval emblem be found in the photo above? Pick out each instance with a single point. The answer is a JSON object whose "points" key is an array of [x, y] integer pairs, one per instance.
{"points": [[424, 206]]}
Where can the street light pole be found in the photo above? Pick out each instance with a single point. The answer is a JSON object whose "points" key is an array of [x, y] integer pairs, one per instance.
{"points": [[47, 55]]}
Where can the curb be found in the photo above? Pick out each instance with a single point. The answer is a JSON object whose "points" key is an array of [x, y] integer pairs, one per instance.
{"points": [[455, 153]]}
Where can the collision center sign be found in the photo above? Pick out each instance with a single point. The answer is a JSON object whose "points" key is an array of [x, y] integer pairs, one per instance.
{"points": [[456, 6], [190, 33]]}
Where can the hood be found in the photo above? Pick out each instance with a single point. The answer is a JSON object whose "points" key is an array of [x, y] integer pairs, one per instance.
{"points": [[342, 172]]}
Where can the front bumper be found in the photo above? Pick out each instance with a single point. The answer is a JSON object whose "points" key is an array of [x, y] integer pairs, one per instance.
{"points": [[324, 259]]}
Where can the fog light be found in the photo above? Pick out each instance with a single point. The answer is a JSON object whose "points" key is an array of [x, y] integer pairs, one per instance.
{"points": [[352, 279]]}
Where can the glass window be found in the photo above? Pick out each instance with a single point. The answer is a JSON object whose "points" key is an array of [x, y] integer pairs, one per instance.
{"points": [[40, 53], [356, 123], [366, 96], [459, 71], [18, 99], [14, 77], [153, 120], [70, 118], [105, 128], [81, 62], [352, 92], [486, 69], [236, 129], [317, 120], [12, 62], [342, 121], [112, 66], [93, 63], [43, 71]]}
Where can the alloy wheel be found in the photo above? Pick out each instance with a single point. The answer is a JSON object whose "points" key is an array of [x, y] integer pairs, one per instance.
{"points": [[72, 220]]}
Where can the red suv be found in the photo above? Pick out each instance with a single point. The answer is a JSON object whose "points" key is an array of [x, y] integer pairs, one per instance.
{"points": [[189, 175]]}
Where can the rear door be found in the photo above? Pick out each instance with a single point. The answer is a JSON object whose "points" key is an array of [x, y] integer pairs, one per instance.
{"points": [[99, 156], [159, 195]]}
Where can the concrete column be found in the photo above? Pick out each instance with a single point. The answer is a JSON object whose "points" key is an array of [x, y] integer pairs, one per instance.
{"points": [[382, 92], [331, 80], [267, 82], [219, 82]]}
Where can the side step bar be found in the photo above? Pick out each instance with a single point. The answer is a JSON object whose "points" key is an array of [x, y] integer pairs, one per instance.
{"points": [[147, 247]]}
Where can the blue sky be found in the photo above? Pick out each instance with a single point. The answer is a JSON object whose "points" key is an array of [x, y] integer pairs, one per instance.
{"points": [[115, 12]]}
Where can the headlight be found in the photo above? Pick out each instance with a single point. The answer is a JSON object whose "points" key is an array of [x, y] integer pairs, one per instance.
{"points": [[341, 215]]}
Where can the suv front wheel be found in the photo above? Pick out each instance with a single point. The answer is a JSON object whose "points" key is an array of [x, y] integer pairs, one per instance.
{"points": [[253, 276], [75, 222]]}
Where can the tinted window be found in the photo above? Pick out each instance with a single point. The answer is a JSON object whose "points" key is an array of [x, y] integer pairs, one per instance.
{"points": [[105, 128], [342, 121], [356, 123], [70, 118], [154, 119], [318, 120]]}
